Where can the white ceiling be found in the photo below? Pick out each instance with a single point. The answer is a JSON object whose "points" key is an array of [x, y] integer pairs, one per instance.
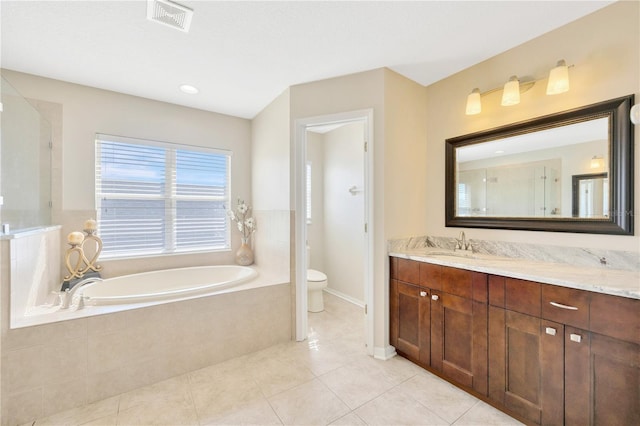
{"points": [[241, 55]]}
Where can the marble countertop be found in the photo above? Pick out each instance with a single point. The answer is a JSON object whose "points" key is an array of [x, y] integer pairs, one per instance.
{"points": [[597, 279]]}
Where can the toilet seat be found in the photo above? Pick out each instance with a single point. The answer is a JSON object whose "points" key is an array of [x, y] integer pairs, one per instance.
{"points": [[315, 276]]}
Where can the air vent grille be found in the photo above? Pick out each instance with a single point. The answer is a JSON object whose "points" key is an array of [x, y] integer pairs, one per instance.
{"points": [[171, 14]]}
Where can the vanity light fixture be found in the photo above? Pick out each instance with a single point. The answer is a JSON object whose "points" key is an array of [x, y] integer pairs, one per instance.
{"points": [[634, 114], [597, 162], [558, 83], [474, 104], [189, 89], [558, 79], [511, 92]]}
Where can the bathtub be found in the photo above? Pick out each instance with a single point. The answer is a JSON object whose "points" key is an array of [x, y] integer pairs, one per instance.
{"points": [[164, 284]]}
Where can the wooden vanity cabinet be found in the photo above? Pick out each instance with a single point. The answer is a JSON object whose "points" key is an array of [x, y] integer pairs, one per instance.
{"points": [[526, 366], [602, 364], [459, 328], [410, 319], [547, 354], [439, 320]]}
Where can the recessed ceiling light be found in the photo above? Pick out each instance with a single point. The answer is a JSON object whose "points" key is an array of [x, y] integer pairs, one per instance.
{"points": [[499, 152], [189, 89]]}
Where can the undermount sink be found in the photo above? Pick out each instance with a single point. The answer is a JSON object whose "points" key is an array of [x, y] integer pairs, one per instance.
{"points": [[469, 255]]}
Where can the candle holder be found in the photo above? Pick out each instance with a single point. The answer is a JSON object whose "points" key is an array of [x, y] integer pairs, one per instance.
{"points": [[81, 264]]}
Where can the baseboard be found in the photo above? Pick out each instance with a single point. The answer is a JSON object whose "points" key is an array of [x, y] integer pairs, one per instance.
{"points": [[385, 353], [345, 297]]}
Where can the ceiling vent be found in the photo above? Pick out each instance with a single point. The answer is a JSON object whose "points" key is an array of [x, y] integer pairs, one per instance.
{"points": [[171, 14]]}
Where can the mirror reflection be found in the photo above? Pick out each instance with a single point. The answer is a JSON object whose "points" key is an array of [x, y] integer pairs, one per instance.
{"points": [[533, 175]]}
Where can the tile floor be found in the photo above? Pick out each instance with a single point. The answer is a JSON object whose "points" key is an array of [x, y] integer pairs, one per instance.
{"points": [[328, 379]]}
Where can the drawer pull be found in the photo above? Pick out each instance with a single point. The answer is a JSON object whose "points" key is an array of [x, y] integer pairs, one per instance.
{"points": [[560, 305], [575, 338], [550, 331], [423, 293], [435, 297]]}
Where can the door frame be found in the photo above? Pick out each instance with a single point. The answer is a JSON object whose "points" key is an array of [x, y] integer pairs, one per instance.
{"points": [[301, 125]]}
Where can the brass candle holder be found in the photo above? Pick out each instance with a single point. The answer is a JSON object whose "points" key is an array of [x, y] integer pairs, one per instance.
{"points": [[81, 264]]}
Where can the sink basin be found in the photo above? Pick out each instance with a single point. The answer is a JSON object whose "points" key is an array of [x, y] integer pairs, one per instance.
{"points": [[470, 255]]}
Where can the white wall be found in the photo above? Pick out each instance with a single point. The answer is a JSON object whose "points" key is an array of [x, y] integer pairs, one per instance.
{"points": [[607, 66], [344, 244], [315, 230]]}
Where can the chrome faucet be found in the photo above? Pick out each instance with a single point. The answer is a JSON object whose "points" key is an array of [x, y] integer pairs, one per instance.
{"points": [[461, 243], [66, 296]]}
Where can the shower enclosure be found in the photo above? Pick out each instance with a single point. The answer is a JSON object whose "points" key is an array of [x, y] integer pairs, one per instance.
{"points": [[25, 164]]}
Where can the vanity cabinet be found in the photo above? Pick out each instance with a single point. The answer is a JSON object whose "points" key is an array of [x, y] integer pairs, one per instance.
{"points": [[410, 306], [546, 354], [549, 362], [439, 320], [459, 327], [526, 372]]}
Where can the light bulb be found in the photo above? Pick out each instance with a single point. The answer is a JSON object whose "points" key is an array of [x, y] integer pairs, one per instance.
{"points": [[558, 79], [474, 105]]}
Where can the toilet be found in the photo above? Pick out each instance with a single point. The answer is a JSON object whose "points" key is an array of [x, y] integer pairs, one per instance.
{"points": [[316, 282]]}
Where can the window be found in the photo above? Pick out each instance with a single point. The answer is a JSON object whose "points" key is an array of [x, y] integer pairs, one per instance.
{"points": [[159, 198], [308, 186]]}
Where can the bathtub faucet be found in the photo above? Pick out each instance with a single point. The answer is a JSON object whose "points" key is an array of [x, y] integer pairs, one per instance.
{"points": [[66, 296]]}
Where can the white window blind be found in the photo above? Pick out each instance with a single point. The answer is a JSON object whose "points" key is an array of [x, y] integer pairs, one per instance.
{"points": [[157, 198]]}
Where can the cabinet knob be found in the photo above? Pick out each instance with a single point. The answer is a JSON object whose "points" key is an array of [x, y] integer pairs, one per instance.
{"points": [[575, 338], [434, 297], [423, 293], [550, 331]]}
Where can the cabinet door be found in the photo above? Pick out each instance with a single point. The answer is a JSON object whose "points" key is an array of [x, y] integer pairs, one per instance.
{"points": [[526, 369], [413, 337], [459, 339], [615, 386]]}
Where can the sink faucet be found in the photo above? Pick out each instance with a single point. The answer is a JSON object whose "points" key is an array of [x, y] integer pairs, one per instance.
{"points": [[67, 296], [461, 242]]}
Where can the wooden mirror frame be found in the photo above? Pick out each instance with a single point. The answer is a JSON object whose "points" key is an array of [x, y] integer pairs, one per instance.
{"points": [[621, 172]]}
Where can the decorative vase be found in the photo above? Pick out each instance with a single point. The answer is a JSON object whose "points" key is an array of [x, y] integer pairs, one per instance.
{"points": [[244, 255]]}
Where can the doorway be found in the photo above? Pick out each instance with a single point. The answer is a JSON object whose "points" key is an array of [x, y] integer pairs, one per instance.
{"points": [[334, 211]]}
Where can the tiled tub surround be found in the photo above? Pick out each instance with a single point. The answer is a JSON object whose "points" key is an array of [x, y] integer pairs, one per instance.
{"points": [[54, 367], [563, 266]]}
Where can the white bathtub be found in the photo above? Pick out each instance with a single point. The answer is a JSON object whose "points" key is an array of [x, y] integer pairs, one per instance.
{"points": [[164, 284]]}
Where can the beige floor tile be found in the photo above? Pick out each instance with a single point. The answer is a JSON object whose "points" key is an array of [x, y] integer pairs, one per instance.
{"points": [[482, 414], [356, 384], [308, 404], [104, 421], [84, 414], [275, 376], [396, 408], [223, 396], [175, 390], [174, 412], [441, 397], [258, 412], [350, 419]]}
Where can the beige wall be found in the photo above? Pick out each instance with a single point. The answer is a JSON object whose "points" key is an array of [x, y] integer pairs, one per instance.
{"points": [[399, 151], [87, 111], [605, 49], [270, 156]]}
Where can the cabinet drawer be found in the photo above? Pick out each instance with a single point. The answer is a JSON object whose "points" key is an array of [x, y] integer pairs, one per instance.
{"points": [[430, 276], [566, 305], [457, 281], [408, 271], [615, 316], [523, 296]]}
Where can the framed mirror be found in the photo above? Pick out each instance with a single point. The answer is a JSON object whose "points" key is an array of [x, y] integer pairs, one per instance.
{"points": [[566, 172]]}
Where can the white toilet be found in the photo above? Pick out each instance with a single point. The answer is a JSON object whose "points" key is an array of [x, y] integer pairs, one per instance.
{"points": [[316, 282]]}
